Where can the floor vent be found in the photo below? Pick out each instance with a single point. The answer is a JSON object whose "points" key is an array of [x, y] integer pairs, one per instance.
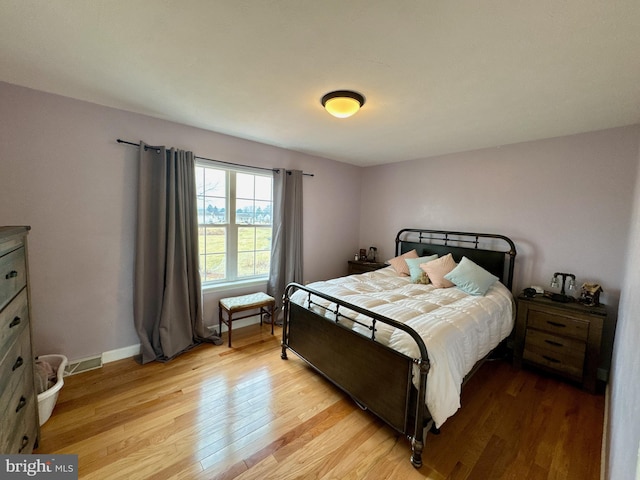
{"points": [[84, 365]]}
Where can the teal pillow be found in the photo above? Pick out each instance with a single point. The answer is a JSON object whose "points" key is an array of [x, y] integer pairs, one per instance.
{"points": [[471, 278], [415, 272]]}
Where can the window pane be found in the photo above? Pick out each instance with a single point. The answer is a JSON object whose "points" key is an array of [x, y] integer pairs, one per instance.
{"points": [[246, 239], [214, 184], [263, 213], [254, 251], [263, 261], [212, 240], [214, 210], [244, 212], [211, 186], [214, 267], [199, 180], [263, 238], [264, 191], [246, 264], [212, 247], [245, 185]]}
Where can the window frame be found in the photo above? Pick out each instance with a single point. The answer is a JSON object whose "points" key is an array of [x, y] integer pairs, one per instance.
{"points": [[232, 228]]}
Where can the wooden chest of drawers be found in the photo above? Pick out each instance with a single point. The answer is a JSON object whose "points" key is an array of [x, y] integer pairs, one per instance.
{"points": [[19, 426], [563, 338]]}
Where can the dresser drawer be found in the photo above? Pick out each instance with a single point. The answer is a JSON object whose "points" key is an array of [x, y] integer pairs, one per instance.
{"points": [[22, 439], [13, 320], [19, 408], [558, 324], [13, 275], [19, 430], [16, 368]]}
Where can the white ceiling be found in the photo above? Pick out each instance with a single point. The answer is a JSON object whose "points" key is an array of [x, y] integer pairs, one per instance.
{"points": [[438, 76]]}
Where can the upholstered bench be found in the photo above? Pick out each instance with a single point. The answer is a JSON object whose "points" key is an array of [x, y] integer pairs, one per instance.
{"points": [[232, 305]]}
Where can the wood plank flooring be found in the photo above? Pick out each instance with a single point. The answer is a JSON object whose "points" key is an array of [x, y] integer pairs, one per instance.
{"points": [[221, 413]]}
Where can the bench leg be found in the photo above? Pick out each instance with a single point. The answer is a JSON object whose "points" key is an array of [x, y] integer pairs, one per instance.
{"points": [[273, 319], [269, 309], [220, 321]]}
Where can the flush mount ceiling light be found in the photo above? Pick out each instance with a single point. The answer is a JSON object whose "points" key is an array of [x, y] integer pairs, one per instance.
{"points": [[342, 103]]}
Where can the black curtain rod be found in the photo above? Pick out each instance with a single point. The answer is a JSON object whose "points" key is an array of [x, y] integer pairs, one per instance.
{"points": [[212, 160]]}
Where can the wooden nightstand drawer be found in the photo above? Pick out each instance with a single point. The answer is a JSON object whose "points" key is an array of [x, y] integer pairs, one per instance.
{"points": [[566, 347], [555, 362], [554, 350], [558, 324]]}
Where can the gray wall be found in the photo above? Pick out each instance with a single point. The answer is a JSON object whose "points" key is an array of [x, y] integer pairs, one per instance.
{"points": [[566, 202], [623, 432], [62, 172]]}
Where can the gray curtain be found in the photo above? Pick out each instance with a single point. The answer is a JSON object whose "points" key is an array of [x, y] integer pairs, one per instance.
{"points": [[286, 243], [167, 293]]}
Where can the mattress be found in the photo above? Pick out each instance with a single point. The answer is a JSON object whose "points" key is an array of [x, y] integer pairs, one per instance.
{"points": [[458, 329]]}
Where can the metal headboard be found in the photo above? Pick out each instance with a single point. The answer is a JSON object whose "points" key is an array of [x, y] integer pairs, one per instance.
{"points": [[495, 253]]}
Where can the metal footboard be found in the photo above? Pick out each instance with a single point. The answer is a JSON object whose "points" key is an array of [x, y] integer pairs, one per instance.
{"points": [[377, 377]]}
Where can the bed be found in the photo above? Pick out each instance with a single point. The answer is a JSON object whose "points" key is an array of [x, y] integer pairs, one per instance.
{"points": [[399, 347]]}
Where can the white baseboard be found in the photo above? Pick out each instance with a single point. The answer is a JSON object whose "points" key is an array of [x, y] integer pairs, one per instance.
{"points": [[133, 350], [120, 353], [97, 361]]}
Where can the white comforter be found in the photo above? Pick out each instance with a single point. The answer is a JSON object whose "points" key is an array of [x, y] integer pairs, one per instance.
{"points": [[458, 329]]}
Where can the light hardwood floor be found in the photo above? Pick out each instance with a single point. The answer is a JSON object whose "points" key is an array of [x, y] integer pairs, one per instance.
{"points": [[220, 413]]}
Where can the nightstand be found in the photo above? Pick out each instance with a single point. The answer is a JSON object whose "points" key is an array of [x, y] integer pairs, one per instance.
{"points": [[362, 267], [562, 338]]}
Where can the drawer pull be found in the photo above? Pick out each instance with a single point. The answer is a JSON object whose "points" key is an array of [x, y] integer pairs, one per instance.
{"points": [[18, 364], [21, 404], [551, 359], [556, 324], [25, 442], [555, 344], [16, 321], [11, 274]]}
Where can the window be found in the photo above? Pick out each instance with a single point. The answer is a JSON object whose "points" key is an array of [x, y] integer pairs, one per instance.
{"points": [[234, 217]]}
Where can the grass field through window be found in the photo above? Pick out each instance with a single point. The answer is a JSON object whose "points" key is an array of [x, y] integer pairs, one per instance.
{"points": [[254, 251]]}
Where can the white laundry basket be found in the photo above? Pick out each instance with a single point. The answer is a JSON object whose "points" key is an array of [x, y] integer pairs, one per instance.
{"points": [[47, 399]]}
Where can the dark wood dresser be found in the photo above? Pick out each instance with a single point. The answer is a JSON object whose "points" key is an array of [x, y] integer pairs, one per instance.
{"points": [[562, 338], [19, 425]]}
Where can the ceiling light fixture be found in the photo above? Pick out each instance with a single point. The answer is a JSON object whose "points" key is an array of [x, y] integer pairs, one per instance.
{"points": [[342, 103]]}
